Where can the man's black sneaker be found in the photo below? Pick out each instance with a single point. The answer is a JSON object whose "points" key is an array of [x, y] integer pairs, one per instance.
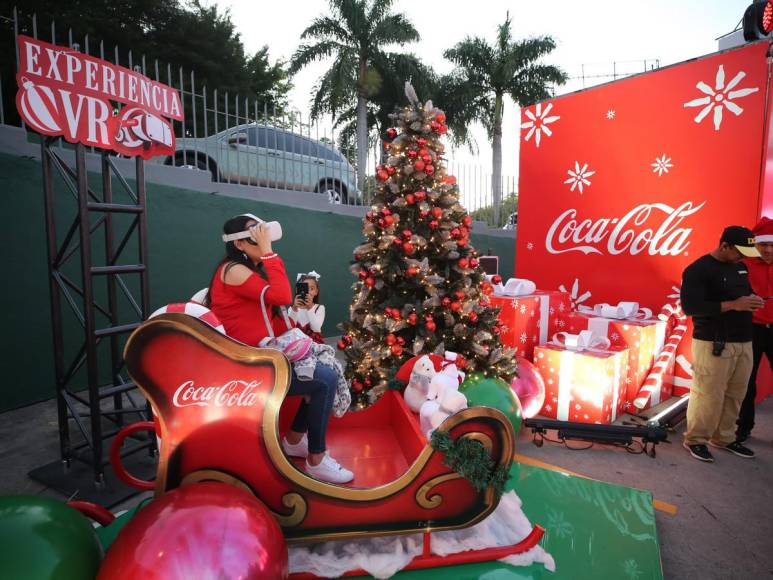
{"points": [[700, 452], [735, 448]]}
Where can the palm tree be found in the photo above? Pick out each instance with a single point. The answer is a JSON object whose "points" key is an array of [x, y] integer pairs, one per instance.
{"points": [[354, 34], [484, 74]]}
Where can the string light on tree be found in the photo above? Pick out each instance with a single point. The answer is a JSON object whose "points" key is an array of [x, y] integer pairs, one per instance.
{"points": [[418, 285]]}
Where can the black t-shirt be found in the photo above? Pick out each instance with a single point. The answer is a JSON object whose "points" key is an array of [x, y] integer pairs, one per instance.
{"points": [[706, 283]]}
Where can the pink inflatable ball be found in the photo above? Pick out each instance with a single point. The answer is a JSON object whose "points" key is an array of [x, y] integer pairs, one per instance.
{"points": [[529, 387]]}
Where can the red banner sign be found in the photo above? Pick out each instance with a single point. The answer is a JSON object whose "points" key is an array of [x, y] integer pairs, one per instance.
{"points": [[623, 185], [63, 92]]}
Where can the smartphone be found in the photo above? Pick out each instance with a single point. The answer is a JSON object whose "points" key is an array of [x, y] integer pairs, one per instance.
{"points": [[302, 289]]}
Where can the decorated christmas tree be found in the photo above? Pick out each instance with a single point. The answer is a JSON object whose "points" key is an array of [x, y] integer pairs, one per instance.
{"points": [[420, 288]]}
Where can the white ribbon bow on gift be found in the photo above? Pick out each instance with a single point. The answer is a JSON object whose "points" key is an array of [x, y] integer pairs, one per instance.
{"points": [[585, 340], [515, 287], [620, 311]]}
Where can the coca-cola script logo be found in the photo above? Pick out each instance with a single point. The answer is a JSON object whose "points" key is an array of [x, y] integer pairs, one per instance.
{"points": [[654, 228], [234, 393]]}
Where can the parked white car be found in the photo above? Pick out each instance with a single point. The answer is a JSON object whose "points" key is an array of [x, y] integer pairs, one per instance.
{"points": [[270, 157]]}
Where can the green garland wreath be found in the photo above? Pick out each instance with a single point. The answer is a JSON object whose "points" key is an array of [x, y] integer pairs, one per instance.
{"points": [[470, 460]]}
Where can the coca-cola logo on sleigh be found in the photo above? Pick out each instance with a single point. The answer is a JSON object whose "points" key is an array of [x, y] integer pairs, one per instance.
{"points": [[234, 393], [63, 92], [656, 229]]}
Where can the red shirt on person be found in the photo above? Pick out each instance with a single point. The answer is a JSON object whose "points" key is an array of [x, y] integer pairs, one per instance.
{"points": [[761, 280], [238, 306]]}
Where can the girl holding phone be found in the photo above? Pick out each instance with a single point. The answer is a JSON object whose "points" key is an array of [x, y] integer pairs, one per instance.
{"points": [[307, 313]]}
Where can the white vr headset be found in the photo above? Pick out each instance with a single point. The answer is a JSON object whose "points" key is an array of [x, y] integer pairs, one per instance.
{"points": [[274, 230]]}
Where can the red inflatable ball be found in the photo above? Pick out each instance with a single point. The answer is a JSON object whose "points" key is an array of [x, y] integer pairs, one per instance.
{"points": [[529, 387], [202, 530]]}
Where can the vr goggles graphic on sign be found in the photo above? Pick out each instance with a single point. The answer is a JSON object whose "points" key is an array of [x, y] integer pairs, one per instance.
{"points": [[63, 92]]}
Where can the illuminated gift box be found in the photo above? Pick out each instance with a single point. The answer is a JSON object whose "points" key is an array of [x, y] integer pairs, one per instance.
{"points": [[531, 319], [586, 386], [643, 336]]}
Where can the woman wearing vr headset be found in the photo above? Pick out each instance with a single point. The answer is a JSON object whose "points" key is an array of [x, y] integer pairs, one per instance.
{"points": [[248, 292]]}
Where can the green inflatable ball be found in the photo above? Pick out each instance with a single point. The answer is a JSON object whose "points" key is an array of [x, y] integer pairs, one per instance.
{"points": [[484, 391], [44, 539]]}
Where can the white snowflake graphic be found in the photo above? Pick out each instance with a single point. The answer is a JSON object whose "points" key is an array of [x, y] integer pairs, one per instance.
{"points": [[523, 337], [538, 122], [552, 311], [631, 569], [576, 297], [614, 337], [578, 178], [720, 97], [561, 307], [504, 328], [577, 407], [628, 380], [530, 246], [558, 525], [661, 165], [522, 309], [560, 323], [610, 114], [548, 407]]}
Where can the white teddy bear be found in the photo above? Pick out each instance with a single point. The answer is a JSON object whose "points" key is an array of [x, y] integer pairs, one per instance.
{"points": [[418, 385], [443, 397]]}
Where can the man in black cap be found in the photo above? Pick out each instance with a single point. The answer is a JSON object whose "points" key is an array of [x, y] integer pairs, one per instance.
{"points": [[717, 294]]}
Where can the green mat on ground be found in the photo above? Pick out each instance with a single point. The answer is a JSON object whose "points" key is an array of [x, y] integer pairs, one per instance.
{"points": [[592, 529]]}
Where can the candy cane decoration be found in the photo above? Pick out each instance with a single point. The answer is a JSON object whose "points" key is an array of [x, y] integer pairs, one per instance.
{"points": [[686, 367], [193, 309], [650, 390]]}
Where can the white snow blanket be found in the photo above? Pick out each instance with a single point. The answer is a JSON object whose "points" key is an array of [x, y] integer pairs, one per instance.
{"points": [[383, 557]]}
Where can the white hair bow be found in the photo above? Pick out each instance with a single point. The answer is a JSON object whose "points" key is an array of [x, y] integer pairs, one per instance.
{"points": [[311, 274]]}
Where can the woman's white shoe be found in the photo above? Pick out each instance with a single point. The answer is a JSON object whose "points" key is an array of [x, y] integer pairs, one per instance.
{"points": [[329, 470], [300, 449]]}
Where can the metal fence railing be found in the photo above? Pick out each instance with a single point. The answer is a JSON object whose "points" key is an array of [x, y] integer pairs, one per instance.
{"points": [[241, 140]]}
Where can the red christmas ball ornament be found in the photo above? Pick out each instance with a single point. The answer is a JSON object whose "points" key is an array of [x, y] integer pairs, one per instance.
{"points": [[357, 257], [429, 170], [390, 170], [396, 314], [370, 282], [410, 199], [418, 165], [496, 330], [421, 195], [389, 220], [437, 212], [462, 242], [450, 179], [496, 279], [423, 214], [412, 154], [381, 222], [456, 306], [357, 386], [391, 132], [446, 301], [423, 152], [434, 224], [431, 326], [400, 341], [459, 295], [463, 263], [473, 316], [407, 234], [341, 345], [382, 175], [461, 362], [442, 129], [408, 248], [435, 126], [397, 242], [474, 262], [386, 211], [467, 220], [427, 158], [440, 118], [368, 382], [456, 233], [397, 350], [362, 274], [421, 141], [412, 271], [347, 339], [412, 319], [391, 339], [487, 290]]}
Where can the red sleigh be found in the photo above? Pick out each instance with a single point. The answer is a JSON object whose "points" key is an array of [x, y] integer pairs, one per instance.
{"points": [[221, 408]]}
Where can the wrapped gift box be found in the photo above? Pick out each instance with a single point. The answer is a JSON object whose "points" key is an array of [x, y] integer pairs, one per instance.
{"points": [[643, 338], [582, 386], [532, 319]]}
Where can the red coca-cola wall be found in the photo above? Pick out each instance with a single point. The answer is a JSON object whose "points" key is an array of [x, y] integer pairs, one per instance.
{"points": [[623, 185]]}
